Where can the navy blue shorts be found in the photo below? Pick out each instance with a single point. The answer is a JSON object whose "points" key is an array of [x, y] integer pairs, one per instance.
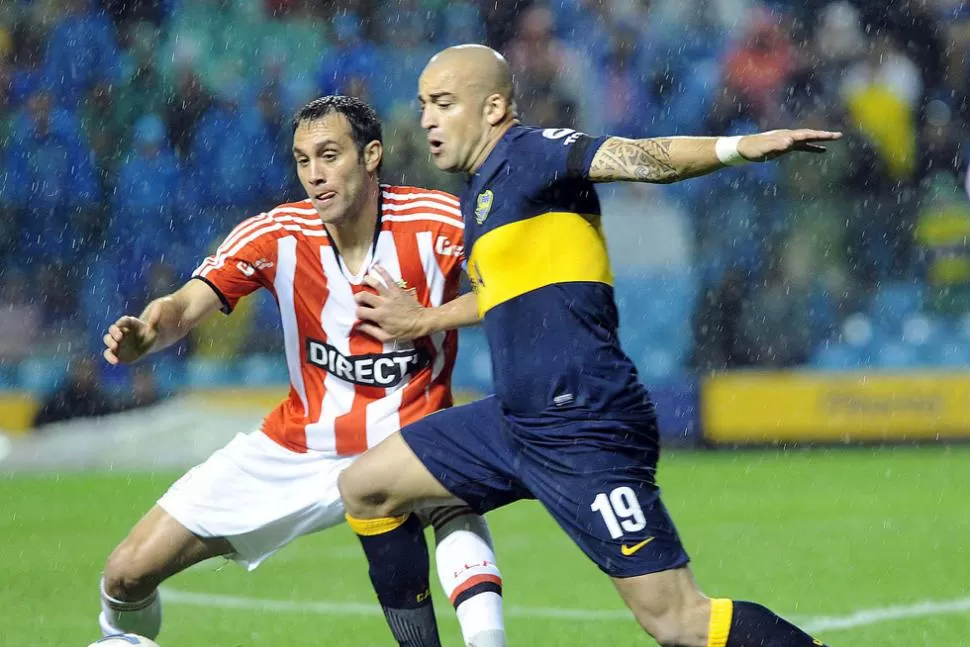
{"points": [[595, 477]]}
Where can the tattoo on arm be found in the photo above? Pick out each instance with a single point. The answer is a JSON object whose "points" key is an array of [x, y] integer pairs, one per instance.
{"points": [[638, 160]]}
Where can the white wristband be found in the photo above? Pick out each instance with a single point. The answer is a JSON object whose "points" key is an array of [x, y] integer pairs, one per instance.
{"points": [[726, 149]]}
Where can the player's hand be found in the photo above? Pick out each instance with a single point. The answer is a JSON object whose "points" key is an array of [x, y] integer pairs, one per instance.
{"points": [[130, 338], [767, 146], [393, 314]]}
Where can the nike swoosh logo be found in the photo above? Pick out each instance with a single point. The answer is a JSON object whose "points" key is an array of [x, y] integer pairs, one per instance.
{"points": [[629, 550]]}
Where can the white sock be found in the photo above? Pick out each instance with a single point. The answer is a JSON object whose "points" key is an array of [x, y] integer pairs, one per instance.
{"points": [[480, 617], [470, 576], [142, 617]]}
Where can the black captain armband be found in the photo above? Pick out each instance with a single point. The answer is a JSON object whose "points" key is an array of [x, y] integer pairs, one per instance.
{"points": [[577, 144], [576, 164]]}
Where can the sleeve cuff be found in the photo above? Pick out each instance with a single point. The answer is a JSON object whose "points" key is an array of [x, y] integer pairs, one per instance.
{"points": [[226, 306]]}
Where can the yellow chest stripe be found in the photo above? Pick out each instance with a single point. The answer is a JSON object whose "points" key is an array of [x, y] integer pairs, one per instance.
{"points": [[555, 247]]}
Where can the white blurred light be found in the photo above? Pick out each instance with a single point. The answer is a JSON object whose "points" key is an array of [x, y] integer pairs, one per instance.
{"points": [[5, 447], [857, 330], [916, 330]]}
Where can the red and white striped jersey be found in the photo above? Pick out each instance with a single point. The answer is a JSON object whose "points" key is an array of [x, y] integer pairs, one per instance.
{"points": [[348, 391]]}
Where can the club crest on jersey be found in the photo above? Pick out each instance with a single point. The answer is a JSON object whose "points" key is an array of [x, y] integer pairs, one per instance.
{"points": [[404, 286], [483, 205]]}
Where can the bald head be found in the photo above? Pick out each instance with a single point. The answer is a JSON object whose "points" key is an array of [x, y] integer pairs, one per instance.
{"points": [[466, 105], [474, 66]]}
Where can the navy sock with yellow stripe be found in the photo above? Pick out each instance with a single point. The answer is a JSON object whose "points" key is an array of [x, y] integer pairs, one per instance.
{"points": [[746, 624], [399, 571]]}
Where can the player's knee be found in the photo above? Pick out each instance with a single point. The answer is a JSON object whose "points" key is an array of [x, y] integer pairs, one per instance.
{"points": [[665, 631], [127, 576], [680, 625], [362, 499]]}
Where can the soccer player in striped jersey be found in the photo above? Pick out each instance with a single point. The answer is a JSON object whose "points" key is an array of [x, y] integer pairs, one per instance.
{"points": [[348, 391]]}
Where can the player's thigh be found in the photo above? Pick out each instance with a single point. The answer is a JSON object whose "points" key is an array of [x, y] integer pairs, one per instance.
{"points": [[596, 478], [668, 605], [458, 453], [158, 547], [388, 480], [469, 450]]}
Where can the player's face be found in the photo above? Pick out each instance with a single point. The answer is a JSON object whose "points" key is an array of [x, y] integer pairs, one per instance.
{"points": [[330, 167], [453, 118]]}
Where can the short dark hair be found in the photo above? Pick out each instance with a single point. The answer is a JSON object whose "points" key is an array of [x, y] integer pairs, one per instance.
{"points": [[365, 126]]}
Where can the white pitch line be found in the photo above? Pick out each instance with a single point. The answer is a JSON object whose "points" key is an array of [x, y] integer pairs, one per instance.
{"points": [[812, 625], [357, 608], [885, 614]]}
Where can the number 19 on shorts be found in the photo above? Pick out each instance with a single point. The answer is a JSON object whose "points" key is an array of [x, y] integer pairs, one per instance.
{"points": [[620, 510]]}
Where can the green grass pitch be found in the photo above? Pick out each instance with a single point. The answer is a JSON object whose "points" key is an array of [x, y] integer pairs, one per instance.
{"points": [[850, 539]]}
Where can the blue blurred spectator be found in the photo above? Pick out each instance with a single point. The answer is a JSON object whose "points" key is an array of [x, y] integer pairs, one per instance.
{"points": [[103, 126], [292, 48], [274, 102], [461, 22], [264, 335], [81, 51], [186, 104], [942, 142], [141, 89], [110, 290], [586, 21], [353, 60], [718, 336], [285, 91], [125, 12], [233, 162], [8, 214], [50, 182], [680, 33], [626, 96], [145, 201], [544, 65], [405, 51], [28, 60], [774, 329], [196, 38]]}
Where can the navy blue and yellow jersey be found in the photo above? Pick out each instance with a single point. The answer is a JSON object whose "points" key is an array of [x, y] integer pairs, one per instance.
{"points": [[538, 262]]}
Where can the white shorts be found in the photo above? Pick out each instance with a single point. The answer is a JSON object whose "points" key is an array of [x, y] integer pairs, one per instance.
{"points": [[258, 495]]}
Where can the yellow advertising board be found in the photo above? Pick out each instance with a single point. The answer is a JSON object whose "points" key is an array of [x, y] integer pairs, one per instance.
{"points": [[776, 407], [17, 409]]}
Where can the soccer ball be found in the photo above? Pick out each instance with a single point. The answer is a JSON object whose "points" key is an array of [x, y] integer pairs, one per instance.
{"points": [[124, 640]]}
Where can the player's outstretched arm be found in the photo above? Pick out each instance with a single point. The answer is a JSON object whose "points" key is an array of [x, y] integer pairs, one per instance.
{"points": [[393, 314], [163, 322], [671, 159]]}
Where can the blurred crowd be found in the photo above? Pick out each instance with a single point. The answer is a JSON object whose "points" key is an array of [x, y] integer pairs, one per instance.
{"points": [[135, 133]]}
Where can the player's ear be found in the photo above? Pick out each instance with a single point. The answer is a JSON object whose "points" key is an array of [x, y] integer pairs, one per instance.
{"points": [[373, 154], [496, 108]]}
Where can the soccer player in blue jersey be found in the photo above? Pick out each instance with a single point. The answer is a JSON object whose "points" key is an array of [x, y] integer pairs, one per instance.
{"points": [[569, 424]]}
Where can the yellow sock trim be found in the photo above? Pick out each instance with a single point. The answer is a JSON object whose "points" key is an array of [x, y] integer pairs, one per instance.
{"points": [[371, 527], [717, 633]]}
